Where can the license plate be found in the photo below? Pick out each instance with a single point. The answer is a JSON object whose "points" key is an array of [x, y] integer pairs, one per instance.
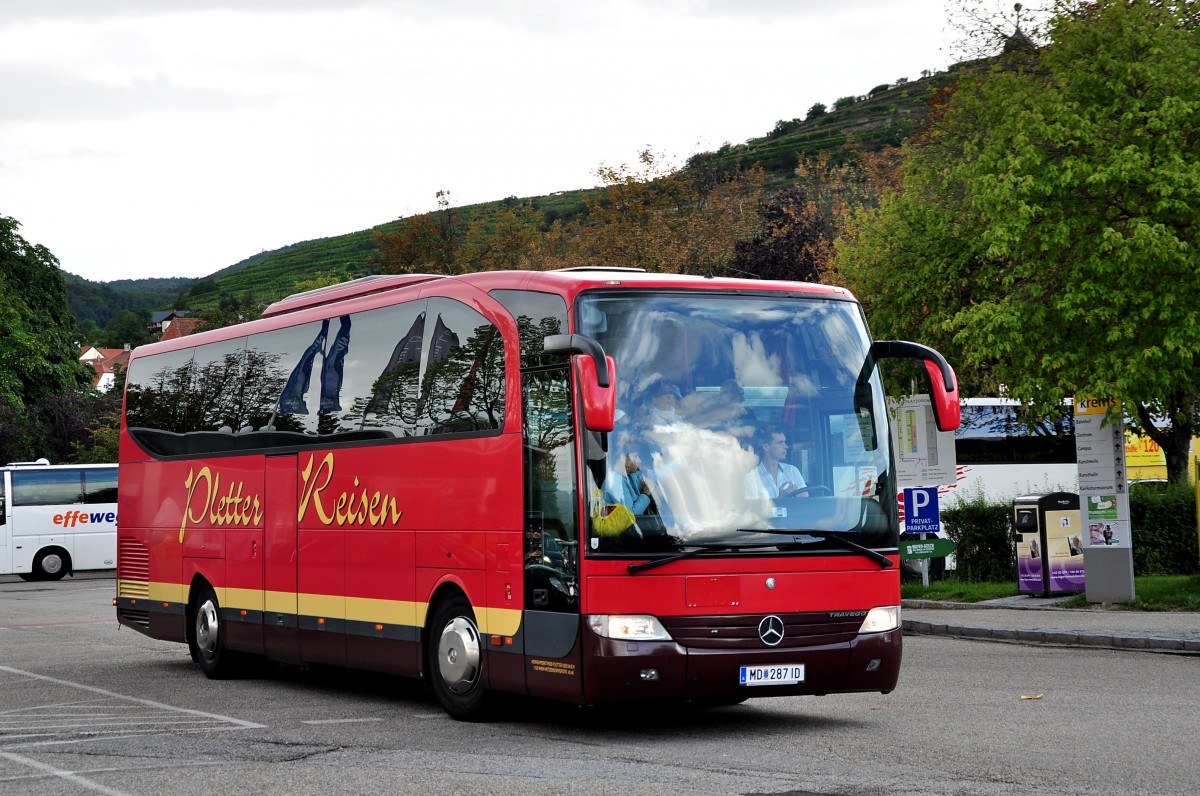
{"points": [[783, 674]]}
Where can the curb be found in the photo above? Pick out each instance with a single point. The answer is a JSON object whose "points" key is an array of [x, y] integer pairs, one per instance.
{"points": [[1057, 638]]}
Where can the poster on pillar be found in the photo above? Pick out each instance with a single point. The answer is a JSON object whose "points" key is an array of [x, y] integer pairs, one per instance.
{"points": [[924, 455], [1100, 451]]}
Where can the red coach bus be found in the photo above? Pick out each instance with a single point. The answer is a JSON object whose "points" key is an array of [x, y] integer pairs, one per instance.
{"points": [[539, 483]]}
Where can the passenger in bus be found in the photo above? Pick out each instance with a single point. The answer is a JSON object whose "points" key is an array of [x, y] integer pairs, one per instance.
{"points": [[626, 484], [773, 477], [724, 410], [663, 403]]}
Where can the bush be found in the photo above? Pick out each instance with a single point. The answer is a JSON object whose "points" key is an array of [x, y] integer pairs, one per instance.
{"points": [[983, 541], [1163, 521]]}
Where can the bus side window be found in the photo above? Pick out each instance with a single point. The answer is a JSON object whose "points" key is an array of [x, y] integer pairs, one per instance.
{"points": [[462, 388], [46, 487], [100, 486]]}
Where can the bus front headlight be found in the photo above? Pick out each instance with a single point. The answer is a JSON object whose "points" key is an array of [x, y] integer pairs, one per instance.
{"points": [[881, 619], [628, 627]]}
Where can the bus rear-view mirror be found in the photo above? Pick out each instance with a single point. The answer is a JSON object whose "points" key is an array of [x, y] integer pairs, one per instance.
{"points": [[943, 384], [596, 375]]}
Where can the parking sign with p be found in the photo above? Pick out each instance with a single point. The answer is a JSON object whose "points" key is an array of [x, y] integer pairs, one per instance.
{"points": [[921, 513]]}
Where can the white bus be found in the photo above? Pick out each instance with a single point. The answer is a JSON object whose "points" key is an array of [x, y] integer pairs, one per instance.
{"points": [[1001, 457], [57, 519]]}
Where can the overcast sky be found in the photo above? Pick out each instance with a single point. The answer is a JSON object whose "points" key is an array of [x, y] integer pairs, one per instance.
{"points": [[145, 138]]}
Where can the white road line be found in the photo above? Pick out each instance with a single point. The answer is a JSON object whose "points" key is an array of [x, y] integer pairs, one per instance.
{"points": [[338, 721], [61, 774], [139, 700]]}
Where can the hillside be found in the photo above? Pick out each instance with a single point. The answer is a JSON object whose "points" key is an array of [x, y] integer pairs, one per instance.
{"points": [[888, 116], [101, 301]]}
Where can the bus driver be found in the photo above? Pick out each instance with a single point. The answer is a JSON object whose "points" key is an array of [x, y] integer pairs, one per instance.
{"points": [[773, 477]]}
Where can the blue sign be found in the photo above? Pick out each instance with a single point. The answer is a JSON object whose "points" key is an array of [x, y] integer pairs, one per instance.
{"points": [[921, 510]]}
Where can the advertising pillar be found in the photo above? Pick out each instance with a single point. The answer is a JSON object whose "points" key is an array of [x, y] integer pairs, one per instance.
{"points": [[1107, 547]]}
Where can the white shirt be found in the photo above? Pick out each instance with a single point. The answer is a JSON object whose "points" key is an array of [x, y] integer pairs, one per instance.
{"points": [[759, 482]]}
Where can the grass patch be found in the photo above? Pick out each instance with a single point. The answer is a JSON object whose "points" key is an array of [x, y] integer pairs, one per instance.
{"points": [[1152, 593], [952, 589], [1166, 593]]}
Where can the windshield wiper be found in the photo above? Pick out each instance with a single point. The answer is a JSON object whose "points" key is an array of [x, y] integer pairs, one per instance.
{"points": [[833, 536], [694, 551]]}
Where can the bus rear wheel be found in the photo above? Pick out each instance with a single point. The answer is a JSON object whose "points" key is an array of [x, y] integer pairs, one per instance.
{"points": [[51, 564], [206, 641], [455, 660]]}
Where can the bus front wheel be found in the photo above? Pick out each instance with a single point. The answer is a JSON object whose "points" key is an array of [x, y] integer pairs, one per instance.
{"points": [[51, 564], [455, 660], [206, 641]]}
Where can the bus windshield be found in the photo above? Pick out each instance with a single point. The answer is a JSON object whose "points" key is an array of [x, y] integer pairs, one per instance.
{"points": [[742, 421]]}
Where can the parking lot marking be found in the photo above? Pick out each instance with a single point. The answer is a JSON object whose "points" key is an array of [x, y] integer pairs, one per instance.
{"points": [[337, 721], [69, 776], [148, 702]]}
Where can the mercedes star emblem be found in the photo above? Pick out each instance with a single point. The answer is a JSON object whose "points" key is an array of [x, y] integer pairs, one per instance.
{"points": [[770, 630]]}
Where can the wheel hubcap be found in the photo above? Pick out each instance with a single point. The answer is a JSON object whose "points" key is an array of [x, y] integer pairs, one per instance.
{"points": [[52, 564], [458, 655], [207, 628]]}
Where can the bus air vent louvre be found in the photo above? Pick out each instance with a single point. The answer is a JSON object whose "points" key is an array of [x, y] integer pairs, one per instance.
{"points": [[128, 616], [133, 568], [741, 632]]}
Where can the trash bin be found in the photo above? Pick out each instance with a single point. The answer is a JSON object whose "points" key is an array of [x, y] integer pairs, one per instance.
{"points": [[1049, 544]]}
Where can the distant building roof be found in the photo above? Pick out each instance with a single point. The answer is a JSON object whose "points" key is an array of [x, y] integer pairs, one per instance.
{"points": [[157, 318], [1019, 42], [105, 366], [179, 327]]}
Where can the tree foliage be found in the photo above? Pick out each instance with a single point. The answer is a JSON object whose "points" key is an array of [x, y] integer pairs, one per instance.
{"points": [[794, 241], [1046, 233], [671, 221], [39, 356]]}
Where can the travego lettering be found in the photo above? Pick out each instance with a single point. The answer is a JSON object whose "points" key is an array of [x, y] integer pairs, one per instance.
{"points": [[70, 519], [358, 507]]}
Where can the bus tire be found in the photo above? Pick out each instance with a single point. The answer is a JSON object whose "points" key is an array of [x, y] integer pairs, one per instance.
{"points": [[455, 656], [206, 637], [51, 564]]}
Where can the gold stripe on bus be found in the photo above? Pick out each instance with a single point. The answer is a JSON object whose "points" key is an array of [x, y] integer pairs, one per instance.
{"points": [[389, 612], [168, 592], [322, 605], [280, 602], [499, 621], [492, 621], [248, 599]]}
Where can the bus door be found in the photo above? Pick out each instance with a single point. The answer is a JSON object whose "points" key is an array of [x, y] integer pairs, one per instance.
{"points": [[244, 587], [281, 639], [551, 622]]}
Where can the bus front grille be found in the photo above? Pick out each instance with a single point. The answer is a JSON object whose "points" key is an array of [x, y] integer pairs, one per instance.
{"points": [[743, 632]]}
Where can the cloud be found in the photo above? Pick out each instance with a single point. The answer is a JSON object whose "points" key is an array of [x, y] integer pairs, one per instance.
{"points": [[30, 95]]}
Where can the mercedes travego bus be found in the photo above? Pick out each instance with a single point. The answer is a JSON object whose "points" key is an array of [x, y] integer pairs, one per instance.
{"points": [[57, 519], [591, 485]]}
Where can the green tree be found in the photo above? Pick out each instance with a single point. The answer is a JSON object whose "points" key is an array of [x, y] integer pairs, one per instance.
{"points": [[127, 327], [1046, 233], [88, 332], [39, 356]]}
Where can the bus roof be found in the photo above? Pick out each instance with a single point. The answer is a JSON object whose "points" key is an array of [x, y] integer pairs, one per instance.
{"points": [[567, 282]]}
